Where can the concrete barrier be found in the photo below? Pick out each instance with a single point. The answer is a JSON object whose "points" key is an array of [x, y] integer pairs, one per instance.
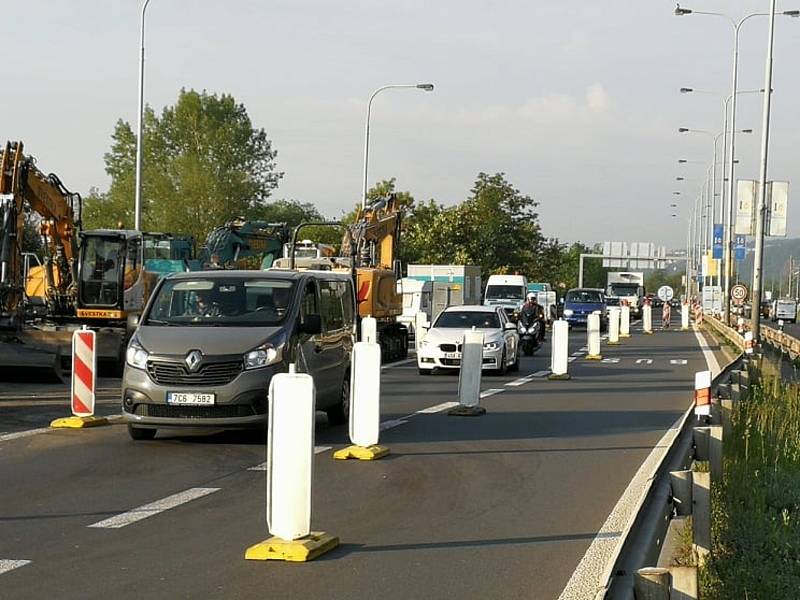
{"points": [[652, 583], [559, 354], [290, 455], [469, 377], [613, 325], [701, 515], [365, 405], [593, 337]]}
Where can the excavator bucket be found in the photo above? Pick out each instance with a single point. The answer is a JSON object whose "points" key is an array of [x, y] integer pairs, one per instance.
{"points": [[21, 362]]}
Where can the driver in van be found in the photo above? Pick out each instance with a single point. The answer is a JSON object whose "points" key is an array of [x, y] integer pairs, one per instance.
{"points": [[203, 306]]}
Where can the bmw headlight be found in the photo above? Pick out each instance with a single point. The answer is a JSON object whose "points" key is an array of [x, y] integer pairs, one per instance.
{"points": [[136, 356], [491, 346], [263, 356], [568, 312]]}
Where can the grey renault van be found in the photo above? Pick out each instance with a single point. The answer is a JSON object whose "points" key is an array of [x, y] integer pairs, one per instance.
{"points": [[208, 343]]}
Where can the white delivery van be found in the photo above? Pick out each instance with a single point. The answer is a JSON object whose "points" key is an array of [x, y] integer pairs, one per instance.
{"points": [[507, 291], [416, 298]]}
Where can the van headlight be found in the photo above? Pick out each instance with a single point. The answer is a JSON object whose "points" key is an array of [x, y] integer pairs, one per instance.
{"points": [[568, 312], [263, 356], [136, 356]]}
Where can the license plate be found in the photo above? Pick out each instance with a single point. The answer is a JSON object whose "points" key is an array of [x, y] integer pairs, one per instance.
{"points": [[452, 355], [189, 398]]}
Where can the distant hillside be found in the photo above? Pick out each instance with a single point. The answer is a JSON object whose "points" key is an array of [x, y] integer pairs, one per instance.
{"points": [[776, 255]]}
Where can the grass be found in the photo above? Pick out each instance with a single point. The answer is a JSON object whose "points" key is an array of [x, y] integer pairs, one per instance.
{"points": [[756, 508]]}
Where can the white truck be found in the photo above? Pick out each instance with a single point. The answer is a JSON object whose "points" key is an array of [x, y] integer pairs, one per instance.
{"points": [[629, 287], [508, 291]]}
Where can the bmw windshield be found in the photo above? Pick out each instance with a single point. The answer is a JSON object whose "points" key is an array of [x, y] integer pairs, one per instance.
{"points": [[221, 302]]}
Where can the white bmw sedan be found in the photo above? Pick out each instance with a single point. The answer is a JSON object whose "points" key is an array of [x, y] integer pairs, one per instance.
{"points": [[441, 346]]}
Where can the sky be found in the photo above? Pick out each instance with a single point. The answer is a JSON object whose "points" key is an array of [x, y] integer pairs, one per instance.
{"points": [[577, 102]]}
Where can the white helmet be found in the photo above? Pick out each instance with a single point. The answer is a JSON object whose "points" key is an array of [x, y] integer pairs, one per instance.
{"points": [[530, 297]]}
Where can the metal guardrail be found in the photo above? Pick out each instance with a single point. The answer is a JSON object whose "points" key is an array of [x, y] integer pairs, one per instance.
{"points": [[774, 337], [726, 331], [646, 533]]}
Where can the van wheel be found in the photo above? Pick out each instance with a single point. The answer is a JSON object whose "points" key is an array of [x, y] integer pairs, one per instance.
{"points": [[140, 433], [340, 414]]}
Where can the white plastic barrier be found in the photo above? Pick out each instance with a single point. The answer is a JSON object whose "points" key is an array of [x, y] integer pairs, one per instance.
{"points": [[469, 378], [647, 318], [613, 325], [593, 336], [365, 394], [685, 311], [290, 453], [702, 393], [420, 329], [369, 330], [625, 322], [560, 350]]}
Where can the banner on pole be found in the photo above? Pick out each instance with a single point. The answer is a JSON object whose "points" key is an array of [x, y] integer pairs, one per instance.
{"points": [[778, 196], [740, 247], [745, 206], [717, 244]]}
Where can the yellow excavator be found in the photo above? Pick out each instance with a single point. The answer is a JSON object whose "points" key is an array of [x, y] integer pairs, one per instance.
{"points": [[25, 189]]}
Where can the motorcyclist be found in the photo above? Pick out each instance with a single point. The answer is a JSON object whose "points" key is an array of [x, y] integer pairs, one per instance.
{"points": [[532, 311]]}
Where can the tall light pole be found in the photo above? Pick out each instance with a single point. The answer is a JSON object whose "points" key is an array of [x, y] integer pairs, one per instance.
{"points": [[137, 211], [758, 257], [427, 87], [737, 25]]}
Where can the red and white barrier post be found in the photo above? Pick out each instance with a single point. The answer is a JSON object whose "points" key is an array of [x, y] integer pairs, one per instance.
{"points": [[702, 394], [84, 383]]}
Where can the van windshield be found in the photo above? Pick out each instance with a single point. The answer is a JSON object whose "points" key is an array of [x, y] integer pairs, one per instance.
{"points": [[221, 302], [584, 297], [505, 292]]}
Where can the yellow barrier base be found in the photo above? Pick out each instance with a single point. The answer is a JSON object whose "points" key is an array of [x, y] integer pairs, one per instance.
{"points": [[594, 357], [649, 332], [622, 336], [613, 343], [361, 452], [466, 411], [302, 550], [562, 377], [78, 422]]}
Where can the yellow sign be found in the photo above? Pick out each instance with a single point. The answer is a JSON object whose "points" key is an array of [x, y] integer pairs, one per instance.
{"points": [[84, 313]]}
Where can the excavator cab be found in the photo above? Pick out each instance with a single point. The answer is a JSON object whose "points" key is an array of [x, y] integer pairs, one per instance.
{"points": [[109, 273]]}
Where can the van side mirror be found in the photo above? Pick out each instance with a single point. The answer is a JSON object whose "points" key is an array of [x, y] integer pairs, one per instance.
{"points": [[311, 324], [132, 323]]}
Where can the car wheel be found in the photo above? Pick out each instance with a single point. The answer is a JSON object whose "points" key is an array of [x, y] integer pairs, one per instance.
{"points": [[340, 414], [141, 433]]}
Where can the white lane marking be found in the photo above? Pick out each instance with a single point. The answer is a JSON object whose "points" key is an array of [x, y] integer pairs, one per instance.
{"points": [[520, 381], [490, 392], [148, 510], [393, 423], [22, 434], [436, 408], [398, 363], [571, 358], [680, 361], [644, 361], [610, 361], [542, 373], [7, 565], [588, 578], [578, 353], [263, 466], [711, 360], [584, 349]]}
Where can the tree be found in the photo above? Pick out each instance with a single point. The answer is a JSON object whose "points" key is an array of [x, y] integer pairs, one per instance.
{"points": [[203, 164]]}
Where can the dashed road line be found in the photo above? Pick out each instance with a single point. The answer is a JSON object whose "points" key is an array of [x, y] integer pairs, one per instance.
{"points": [[149, 510], [436, 408], [263, 466], [644, 361], [491, 392], [23, 434], [542, 373], [678, 361], [610, 361], [7, 565], [520, 381]]}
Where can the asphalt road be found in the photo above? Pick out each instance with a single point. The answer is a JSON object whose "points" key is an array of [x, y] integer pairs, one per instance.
{"points": [[499, 506]]}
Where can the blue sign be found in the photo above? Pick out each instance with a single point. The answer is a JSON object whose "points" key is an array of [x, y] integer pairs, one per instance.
{"points": [[716, 251], [739, 247]]}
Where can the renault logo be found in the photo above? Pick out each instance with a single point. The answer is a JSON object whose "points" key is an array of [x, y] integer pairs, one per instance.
{"points": [[193, 360]]}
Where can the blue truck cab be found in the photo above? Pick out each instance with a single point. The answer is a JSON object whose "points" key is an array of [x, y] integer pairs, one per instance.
{"points": [[579, 303]]}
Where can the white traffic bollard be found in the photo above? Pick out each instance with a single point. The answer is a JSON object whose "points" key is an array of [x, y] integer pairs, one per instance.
{"points": [[365, 405], [593, 336], [469, 377], [647, 318], [84, 383], [613, 325], [685, 311], [625, 321], [420, 329], [290, 456], [369, 330], [559, 351], [702, 393]]}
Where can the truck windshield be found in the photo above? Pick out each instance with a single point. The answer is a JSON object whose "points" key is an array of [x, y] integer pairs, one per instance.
{"points": [[624, 289], [584, 297], [505, 292], [467, 320], [221, 302]]}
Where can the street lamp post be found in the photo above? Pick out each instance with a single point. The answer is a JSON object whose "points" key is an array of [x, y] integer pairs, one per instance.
{"points": [[427, 87], [137, 211]]}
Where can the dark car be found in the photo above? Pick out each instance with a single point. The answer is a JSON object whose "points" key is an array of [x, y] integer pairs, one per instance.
{"points": [[579, 303]]}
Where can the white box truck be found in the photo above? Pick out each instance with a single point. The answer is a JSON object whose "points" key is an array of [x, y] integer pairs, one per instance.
{"points": [[448, 285], [629, 287], [508, 291]]}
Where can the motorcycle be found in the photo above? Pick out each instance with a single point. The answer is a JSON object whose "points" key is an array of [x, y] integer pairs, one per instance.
{"points": [[529, 334]]}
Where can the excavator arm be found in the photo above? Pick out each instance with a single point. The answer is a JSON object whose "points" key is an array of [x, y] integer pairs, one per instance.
{"points": [[376, 234]]}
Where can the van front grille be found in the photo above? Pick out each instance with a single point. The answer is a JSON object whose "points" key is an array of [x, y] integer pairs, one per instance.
{"points": [[209, 374], [196, 412]]}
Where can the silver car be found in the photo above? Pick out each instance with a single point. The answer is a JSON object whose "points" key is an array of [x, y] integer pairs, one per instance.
{"points": [[208, 343], [441, 346]]}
